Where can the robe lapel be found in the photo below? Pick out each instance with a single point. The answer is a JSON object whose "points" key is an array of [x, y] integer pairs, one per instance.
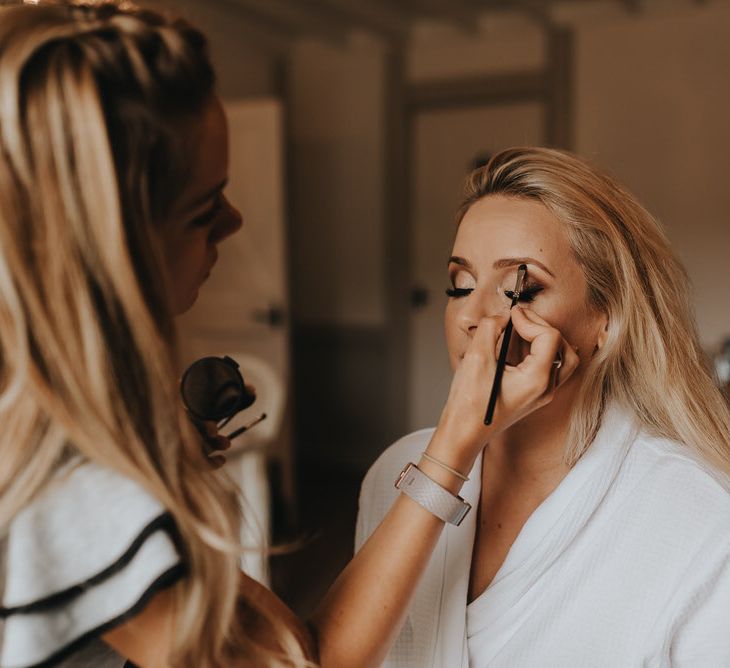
{"points": [[548, 533]]}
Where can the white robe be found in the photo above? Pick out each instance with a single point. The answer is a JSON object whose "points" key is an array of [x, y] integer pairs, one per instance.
{"points": [[626, 563]]}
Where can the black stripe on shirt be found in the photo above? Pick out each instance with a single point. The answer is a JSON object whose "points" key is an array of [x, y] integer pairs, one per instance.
{"points": [[167, 579], [163, 522]]}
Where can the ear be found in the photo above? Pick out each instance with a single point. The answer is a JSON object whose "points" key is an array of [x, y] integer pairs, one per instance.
{"points": [[602, 326]]}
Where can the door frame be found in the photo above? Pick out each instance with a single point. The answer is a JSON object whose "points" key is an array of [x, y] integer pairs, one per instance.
{"points": [[551, 85]]}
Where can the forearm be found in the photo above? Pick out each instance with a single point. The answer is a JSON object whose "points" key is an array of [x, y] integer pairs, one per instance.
{"points": [[364, 610]]}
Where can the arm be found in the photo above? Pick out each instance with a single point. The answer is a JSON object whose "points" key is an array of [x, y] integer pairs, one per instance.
{"points": [[147, 638], [363, 612]]}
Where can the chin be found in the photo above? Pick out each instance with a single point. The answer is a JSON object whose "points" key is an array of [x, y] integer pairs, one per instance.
{"points": [[183, 304]]}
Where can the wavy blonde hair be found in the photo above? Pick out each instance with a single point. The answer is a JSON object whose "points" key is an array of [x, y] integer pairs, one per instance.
{"points": [[652, 362], [94, 104]]}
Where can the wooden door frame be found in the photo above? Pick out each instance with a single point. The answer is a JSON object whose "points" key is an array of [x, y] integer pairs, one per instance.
{"points": [[550, 85]]}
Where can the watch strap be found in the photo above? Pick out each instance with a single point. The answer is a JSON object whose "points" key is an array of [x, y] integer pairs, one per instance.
{"points": [[430, 495]]}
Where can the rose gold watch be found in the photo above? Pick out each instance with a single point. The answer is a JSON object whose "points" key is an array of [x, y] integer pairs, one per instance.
{"points": [[430, 495]]}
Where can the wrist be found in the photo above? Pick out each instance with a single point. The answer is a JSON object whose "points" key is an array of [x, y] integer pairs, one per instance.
{"points": [[448, 457], [429, 494], [441, 476]]}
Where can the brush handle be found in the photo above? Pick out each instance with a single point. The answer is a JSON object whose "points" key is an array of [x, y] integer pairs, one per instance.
{"points": [[501, 361]]}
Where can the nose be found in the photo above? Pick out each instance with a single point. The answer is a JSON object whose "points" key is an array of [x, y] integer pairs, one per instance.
{"points": [[229, 222], [480, 304]]}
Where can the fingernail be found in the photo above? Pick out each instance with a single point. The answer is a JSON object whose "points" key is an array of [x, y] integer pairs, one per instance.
{"points": [[217, 460]]}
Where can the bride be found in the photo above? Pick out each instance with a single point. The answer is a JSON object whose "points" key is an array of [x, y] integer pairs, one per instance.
{"points": [[601, 530]]}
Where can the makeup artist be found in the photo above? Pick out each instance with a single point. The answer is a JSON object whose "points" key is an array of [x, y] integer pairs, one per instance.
{"points": [[600, 534], [120, 540]]}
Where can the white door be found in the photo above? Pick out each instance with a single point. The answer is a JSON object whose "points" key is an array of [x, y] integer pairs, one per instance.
{"points": [[242, 309], [446, 144]]}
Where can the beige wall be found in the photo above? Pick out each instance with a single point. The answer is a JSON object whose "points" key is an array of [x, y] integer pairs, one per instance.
{"points": [[336, 107], [244, 57], [653, 105], [501, 43]]}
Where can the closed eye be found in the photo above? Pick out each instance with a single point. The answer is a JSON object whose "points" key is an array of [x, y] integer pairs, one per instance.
{"points": [[459, 292], [527, 295], [208, 216]]}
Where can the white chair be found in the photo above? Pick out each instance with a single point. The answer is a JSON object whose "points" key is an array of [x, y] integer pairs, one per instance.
{"points": [[247, 460]]}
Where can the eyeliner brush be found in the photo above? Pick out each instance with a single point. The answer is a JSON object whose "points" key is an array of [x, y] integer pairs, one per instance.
{"points": [[502, 359]]}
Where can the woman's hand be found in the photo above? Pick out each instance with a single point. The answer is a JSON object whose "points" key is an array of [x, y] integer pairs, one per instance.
{"points": [[214, 443], [365, 608], [461, 433]]}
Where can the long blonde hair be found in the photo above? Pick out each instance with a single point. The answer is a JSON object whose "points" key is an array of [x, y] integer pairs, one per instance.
{"points": [[652, 362], [94, 101]]}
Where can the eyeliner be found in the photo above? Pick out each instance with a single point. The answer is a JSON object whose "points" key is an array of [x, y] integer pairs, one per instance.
{"points": [[502, 360]]}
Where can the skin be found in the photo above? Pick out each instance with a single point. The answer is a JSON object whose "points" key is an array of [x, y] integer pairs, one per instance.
{"points": [[523, 464], [362, 613], [203, 217]]}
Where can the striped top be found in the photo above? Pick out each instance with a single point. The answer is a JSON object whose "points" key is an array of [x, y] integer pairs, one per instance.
{"points": [[84, 556]]}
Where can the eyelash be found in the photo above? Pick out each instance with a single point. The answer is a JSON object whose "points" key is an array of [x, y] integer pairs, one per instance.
{"points": [[206, 218], [459, 292], [527, 295]]}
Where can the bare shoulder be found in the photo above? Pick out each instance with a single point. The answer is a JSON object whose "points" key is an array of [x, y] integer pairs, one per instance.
{"points": [[147, 638]]}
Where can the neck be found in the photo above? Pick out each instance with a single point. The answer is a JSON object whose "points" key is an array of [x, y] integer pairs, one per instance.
{"points": [[532, 450]]}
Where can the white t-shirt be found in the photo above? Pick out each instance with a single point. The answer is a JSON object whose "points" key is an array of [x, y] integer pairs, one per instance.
{"points": [[83, 557], [626, 563]]}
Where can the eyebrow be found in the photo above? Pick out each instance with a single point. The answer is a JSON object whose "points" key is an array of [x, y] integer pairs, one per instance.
{"points": [[516, 261], [210, 194], [503, 263]]}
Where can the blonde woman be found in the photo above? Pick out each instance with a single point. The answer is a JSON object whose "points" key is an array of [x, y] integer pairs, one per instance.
{"points": [[601, 535], [118, 536]]}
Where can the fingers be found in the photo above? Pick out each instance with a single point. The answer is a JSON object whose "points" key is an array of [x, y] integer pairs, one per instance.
{"points": [[214, 444], [215, 447], [551, 357], [217, 461], [485, 338]]}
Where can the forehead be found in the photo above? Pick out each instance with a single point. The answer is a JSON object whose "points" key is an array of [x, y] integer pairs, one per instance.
{"points": [[208, 155], [496, 226]]}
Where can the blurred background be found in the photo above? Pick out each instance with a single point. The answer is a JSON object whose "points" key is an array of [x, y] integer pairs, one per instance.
{"points": [[353, 124]]}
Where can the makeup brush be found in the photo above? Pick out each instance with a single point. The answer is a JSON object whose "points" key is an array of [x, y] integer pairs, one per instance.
{"points": [[502, 359], [246, 427]]}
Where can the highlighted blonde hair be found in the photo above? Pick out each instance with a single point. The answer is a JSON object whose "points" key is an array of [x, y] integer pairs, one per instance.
{"points": [[652, 362], [95, 102]]}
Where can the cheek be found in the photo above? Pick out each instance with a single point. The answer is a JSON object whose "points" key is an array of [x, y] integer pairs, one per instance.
{"points": [[577, 323], [452, 331]]}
